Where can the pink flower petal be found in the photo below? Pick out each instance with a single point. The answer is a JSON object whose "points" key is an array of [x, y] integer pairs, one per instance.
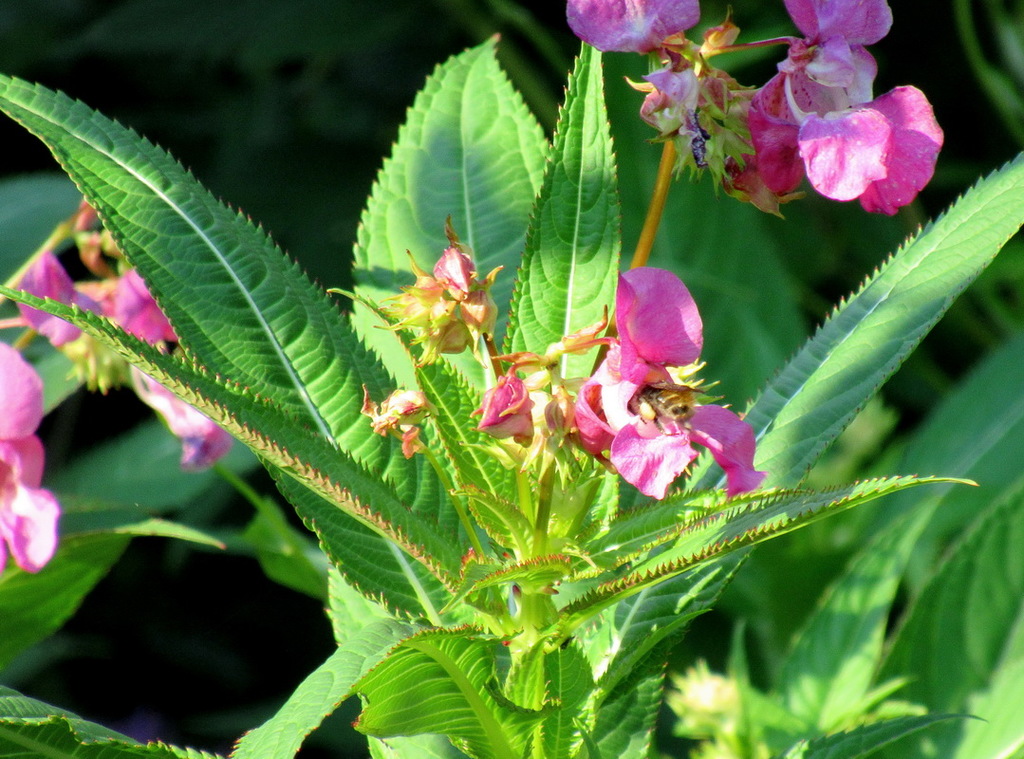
{"points": [[21, 402], [844, 154], [731, 442], [28, 524], [657, 321], [135, 310], [862, 22], [46, 278], [650, 464], [595, 433], [23, 460], [636, 26], [202, 441], [776, 150], [913, 150]]}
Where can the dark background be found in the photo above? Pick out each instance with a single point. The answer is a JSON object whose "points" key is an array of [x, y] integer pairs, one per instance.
{"points": [[285, 109]]}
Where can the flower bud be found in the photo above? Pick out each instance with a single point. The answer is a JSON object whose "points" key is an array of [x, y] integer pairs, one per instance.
{"points": [[507, 410]]}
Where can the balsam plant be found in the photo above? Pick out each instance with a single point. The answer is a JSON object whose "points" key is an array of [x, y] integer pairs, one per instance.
{"points": [[498, 459]]}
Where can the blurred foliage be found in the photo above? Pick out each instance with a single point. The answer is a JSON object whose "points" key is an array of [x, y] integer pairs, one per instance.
{"points": [[286, 108]]}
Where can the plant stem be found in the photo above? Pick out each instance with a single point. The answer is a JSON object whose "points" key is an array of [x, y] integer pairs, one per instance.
{"points": [[656, 207]]}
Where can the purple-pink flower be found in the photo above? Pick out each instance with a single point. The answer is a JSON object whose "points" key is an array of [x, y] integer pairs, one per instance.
{"points": [[28, 513], [817, 115], [46, 278], [126, 300], [202, 441], [635, 409], [637, 26]]}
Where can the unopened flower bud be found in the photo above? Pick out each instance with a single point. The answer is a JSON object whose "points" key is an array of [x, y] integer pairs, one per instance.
{"points": [[480, 312], [455, 272], [507, 410]]}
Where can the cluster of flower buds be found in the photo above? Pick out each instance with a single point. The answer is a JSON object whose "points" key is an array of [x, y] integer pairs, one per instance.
{"points": [[449, 310], [640, 414], [815, 118], [118, 293]]}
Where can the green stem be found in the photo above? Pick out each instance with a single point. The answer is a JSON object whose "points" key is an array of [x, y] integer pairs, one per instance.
{"points": [[540, 524]]}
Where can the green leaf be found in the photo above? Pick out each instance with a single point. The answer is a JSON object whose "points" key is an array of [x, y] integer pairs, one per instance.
{"points": [[30, 728], [444, 682], [752, 520], [348, 609], [569, 683], [465, 447], [654, 617], [624, 728], [570, 266], [321, 693], [963, 639], [282, 443], [241, 308], [820, 390], [374, 566], [826, 679], [32, 606], [469, 149], [989, 404], [287, 556], [414, 747], [861, 741]]}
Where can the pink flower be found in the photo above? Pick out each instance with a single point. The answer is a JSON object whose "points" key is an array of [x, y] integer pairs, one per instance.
{"points": [[819, 108], [46, 278], [132, 306], [637, 26], [202, 441], [633, 406], [28, 513]]}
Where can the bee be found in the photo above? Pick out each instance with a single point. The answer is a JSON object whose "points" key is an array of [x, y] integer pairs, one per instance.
{"points": [[662, 402]]}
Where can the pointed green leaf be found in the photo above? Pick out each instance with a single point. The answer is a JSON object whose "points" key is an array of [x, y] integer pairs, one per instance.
{"points": [[569, 683], [820, 390], [644, 527], [341, 484], [624, 728], [320, 693], [30, 728], [374, 566], [414, 747], [469, 149], [963, 636], [241, 308], [348, 609], [571, 263], [767, 515], [444, 682], [656, 615], [862, 741], [827, 676], [465, 447], [988, 402]]}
